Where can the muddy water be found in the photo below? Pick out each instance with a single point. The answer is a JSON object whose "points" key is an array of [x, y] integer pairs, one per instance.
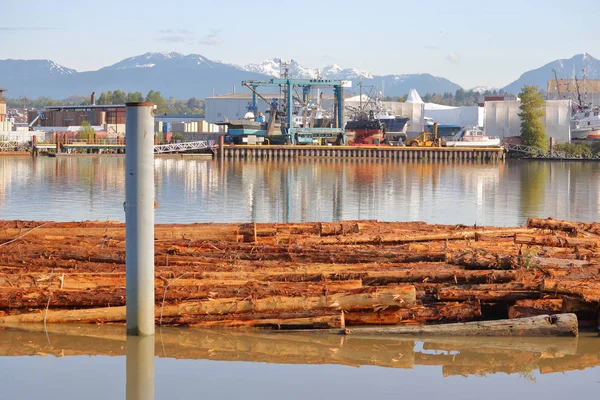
{"points": [[100, 363], [192, 190]]}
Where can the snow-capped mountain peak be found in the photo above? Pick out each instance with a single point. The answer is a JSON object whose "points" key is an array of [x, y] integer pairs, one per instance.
{"points": [[275, 68], [336, 72], [267, 67], [146, 60], [55, 68], [482, 89]]}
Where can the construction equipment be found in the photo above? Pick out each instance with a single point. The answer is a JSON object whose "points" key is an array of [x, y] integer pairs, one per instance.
{"points": [[557, 83], [426, 139]]}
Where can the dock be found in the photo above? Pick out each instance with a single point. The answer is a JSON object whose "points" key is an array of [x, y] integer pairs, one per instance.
{"points": [[365, 152]]}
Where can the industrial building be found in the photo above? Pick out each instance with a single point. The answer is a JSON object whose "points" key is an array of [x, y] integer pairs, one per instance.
{"points": [[502, 119], [498, 116], [2, 106], [5, 125], [111, 117]]}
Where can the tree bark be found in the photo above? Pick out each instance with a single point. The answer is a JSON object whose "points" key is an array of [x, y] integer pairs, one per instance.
{"points": [[443, 274], [568, 226], [400, 296], [588, 290], [441, 312], [479, 259], [488, 293], [532, 308], [384, 239], [557, 241], [546, 325]]}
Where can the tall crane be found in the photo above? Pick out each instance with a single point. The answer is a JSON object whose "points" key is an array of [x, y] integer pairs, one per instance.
{"points": [[557, 83]]}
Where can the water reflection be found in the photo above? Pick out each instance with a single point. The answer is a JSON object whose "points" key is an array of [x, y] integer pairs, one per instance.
{"points": [[192, 190], [533, 186], [140, 367], [231, 364], [456, 356]]}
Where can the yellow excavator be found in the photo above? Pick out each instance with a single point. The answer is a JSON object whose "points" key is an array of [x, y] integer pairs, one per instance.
{"points": [[426, 139]]}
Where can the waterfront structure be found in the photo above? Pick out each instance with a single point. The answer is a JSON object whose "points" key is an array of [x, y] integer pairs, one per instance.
{"points": [[502, 119], [2, 106]]}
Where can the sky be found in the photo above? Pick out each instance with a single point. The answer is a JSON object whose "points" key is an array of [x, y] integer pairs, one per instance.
{"points": [[470, 42]]}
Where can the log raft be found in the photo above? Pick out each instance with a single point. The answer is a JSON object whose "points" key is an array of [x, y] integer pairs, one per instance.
{"points": [[306, 275]]}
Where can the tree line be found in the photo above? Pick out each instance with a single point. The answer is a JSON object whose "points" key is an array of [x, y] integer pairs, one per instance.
{"points": [[163, 105], [459, 98]]}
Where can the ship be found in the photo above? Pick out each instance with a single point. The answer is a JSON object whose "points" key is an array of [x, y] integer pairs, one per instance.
{"points": [[585, 123], [471, 137]]}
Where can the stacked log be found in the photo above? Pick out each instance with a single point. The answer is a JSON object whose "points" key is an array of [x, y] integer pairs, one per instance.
{"points": [[309, 275]]}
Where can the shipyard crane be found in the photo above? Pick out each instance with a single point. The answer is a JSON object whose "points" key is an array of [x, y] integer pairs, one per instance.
{"points": [[584, 85], [557, 83]]}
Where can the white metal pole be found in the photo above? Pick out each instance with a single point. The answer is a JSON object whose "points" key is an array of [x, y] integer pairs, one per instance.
{"points": [[139, 218]]}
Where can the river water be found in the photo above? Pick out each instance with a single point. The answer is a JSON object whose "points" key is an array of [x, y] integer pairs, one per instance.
{"points": [[192, 190], [100, 363]]}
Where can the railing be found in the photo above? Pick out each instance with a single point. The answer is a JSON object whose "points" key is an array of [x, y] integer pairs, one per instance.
{"points": [[104, 142], [532, 150], [186, 146], [10, 145]]}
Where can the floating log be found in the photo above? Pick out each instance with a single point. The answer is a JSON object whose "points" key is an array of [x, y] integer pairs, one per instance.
{"points": [[399, 296], [383, 239], [531, 308], [568, 226], [546, 325], [589, 290], [68, 266], [439, 312], [489, 293], [113, 296], [441, 274], [339, 228], [478, 259], [557, 241]]}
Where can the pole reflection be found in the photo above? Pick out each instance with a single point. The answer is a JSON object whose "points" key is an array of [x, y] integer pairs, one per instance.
{"points": [[140, 367]]}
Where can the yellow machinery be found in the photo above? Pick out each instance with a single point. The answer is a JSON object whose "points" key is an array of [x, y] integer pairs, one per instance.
{"points": [[426, 139]]}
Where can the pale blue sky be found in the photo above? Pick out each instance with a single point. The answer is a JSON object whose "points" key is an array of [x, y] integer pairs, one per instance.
{"points": [[471, 42]]}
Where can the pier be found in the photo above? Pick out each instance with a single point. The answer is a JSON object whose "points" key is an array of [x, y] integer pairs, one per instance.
{"points": [[114, 145], [365, 152]]}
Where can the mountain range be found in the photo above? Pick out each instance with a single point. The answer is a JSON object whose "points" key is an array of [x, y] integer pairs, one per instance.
{"points": [[184, 76]]}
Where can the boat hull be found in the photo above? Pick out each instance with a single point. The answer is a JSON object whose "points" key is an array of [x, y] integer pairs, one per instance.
{"points": [[585, 134], [473, 143]]}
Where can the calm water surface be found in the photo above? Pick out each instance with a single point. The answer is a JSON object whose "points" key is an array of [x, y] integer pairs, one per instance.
{"points": [[99, 363], [192, 190]]}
